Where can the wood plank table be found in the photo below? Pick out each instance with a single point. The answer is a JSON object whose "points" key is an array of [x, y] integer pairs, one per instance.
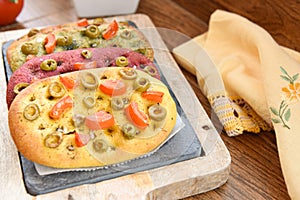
{"points": [[255, 168]]}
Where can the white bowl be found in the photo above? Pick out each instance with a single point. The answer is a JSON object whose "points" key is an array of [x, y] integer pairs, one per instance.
{"points": [[94, 8]]}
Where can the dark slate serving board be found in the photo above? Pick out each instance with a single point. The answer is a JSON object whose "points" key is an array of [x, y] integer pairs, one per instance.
{"points": [[183, 146]]}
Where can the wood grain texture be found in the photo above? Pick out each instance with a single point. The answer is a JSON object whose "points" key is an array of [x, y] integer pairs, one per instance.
{"points": [[255, 169], [280, 18]]}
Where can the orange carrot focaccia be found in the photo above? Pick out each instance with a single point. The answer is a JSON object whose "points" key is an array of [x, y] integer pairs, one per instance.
{"points": [[92, 117], [64, 38]]}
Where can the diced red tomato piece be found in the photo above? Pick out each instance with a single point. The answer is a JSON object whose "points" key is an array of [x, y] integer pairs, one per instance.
{"points": [[50, 43], [155, 96], [113, 87], [60, 107], [81, 139], [67, 82], [99, 120], [82, 22], [111, 30], [136, 116], [86, 65], [78, 66]]}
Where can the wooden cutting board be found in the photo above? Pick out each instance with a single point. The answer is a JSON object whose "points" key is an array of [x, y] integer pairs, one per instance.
{"points": [[173, 181]]}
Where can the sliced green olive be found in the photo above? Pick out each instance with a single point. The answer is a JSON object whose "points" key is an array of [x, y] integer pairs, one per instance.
{"points": [[89, 80], [89, 101], [128, 73], [129, 131], [157, 112], [53, 140], [56, 89], [65, 40], [31, 112], [86, 54], [142, 50], [29, 48], [100, 146], [117, 104], [141, 84], [122, 61], [48, 65], [92, 31], [19, 87], [150, 70], [98, 21], [126, 34], [32, 32]]}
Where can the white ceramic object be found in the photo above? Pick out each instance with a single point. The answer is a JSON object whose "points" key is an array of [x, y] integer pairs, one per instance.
{"points": [[94, 8]]}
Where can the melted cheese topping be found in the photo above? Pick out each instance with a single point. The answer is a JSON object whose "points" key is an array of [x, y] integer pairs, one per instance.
{"points": [[109, 151]]}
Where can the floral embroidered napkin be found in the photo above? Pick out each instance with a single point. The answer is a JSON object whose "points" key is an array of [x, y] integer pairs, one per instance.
{"points": [[262, 85]]}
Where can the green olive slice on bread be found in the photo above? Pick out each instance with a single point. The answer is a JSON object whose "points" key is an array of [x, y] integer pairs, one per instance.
{"points": [[31, 112], [89, 80], [19, 87], [128, 73], [48, 65], [56, 89]]}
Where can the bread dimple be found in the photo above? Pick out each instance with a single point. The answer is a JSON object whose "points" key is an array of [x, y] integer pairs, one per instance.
{"points": [[29, 136]]}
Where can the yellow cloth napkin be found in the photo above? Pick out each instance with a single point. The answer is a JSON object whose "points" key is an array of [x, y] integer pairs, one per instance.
{"points": [[262, 87]]}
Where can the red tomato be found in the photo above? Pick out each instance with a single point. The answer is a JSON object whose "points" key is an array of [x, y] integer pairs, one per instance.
{"points": [[67, 82], [113, 87], [155, 96], [111, 30], [9, 10], [59, 108], [137, 117], [82, 22], [99, 120], [81, 139], [50, 43], [86, 65]]}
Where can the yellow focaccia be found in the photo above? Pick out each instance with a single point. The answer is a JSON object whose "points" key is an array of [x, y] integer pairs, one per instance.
{"points": [[92, 117]]}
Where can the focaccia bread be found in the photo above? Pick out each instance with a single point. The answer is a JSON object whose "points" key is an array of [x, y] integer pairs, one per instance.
{"points": [[49, 29], [114, 34], [68, 61], [103, 116]]}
